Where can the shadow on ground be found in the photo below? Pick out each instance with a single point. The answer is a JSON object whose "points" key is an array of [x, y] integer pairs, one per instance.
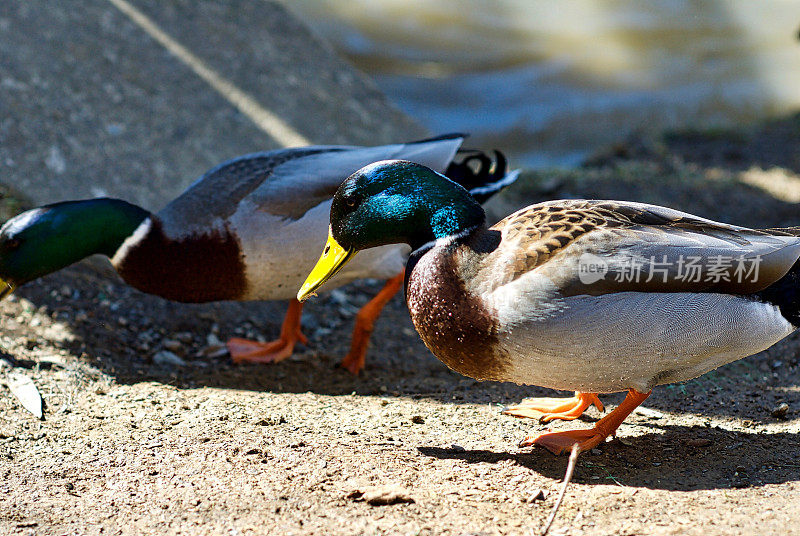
{"points": [[725, 460]]}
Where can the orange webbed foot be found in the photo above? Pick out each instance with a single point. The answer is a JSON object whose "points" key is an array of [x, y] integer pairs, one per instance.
{"points": [[354, 361], [247, 351], [562, 442], [548, 409]]}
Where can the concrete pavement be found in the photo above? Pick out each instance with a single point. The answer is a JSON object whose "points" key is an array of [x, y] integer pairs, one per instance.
{"points": [[136, 98]]}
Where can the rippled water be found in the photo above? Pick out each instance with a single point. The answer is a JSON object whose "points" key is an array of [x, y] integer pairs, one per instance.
{"points": [[550, 81]]}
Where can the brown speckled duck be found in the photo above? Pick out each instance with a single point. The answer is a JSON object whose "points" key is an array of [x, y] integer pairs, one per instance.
{"points": [[588, 296]]}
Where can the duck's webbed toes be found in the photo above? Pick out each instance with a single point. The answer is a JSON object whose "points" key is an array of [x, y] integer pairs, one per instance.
{"points": [[548, 409]]}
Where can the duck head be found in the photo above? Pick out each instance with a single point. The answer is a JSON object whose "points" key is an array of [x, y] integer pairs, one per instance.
{"points": [[46, 239], [390, 202]]}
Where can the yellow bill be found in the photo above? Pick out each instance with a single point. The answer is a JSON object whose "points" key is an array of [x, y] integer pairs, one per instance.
{"points": [[6, 288], [333, 258]]}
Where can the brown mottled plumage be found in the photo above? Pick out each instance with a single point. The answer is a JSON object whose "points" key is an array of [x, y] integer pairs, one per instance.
{"points": [[467, 341], [536, 234]]}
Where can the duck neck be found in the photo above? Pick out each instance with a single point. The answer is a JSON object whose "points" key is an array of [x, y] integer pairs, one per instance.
{"points": [[73, 230], [450, 220], [98, 225]]}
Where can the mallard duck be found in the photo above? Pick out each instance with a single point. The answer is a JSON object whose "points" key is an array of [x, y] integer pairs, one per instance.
{"points": [[244, 230], [580, 295]]}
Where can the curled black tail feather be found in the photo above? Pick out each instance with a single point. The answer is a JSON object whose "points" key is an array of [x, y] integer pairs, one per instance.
{"points": [[481, 175], [785, 294]]}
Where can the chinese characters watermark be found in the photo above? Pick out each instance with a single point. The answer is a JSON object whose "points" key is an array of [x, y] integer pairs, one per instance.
{"points": [[685, 268]]}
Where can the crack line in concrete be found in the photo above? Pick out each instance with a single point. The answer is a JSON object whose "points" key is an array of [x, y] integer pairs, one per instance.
{"points": [[270, 123]]}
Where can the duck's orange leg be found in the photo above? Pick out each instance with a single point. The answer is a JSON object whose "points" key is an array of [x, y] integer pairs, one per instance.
{"points": [[561, 442], [548, 409], [247, 351], [365, 321]]}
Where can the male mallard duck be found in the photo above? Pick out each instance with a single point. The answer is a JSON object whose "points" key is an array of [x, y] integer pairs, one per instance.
{"points": [[245, 230], [590, 296]]}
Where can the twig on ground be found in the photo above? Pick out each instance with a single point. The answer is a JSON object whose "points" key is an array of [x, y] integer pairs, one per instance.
{"points": [[573, 459]]}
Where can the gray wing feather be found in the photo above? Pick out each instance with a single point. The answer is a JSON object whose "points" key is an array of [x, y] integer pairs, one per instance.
{"points": [[286, 182]]}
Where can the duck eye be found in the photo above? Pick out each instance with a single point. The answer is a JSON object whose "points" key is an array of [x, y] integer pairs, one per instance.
{"points": [[351, 202], [12, 244]]}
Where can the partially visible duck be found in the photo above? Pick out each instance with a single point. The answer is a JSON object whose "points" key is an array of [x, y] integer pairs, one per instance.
{"points": [[588, 296], [245, 230]]}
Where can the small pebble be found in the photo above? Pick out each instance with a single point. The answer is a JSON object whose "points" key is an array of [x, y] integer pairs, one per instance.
{"points": [[535, 495], [212, 339], [780, 411], [168, 359], [649, 413], [418, 419]]}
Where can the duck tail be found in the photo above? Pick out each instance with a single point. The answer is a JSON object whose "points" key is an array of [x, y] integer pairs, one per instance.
{"points": [[482, 175], [785, 293]]}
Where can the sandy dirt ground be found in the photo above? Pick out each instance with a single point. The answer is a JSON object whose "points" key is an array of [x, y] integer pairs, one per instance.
{"points": [[138, 441]]}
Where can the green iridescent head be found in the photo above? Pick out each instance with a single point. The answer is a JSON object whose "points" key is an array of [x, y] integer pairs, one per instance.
{"points": [[391, 202], [395, 201], [46, 239]]}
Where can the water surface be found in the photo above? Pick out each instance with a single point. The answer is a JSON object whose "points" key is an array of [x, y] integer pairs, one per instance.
{"points": [[551, 81]]}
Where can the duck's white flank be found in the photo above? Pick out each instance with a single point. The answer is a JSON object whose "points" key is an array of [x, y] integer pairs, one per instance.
{"points": [[278, 262], [638, 340]]}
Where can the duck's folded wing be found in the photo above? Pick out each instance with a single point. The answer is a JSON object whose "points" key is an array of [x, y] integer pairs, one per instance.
{"points": [[289, 182], [214, 197], [600, 247], [297, 188]]}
